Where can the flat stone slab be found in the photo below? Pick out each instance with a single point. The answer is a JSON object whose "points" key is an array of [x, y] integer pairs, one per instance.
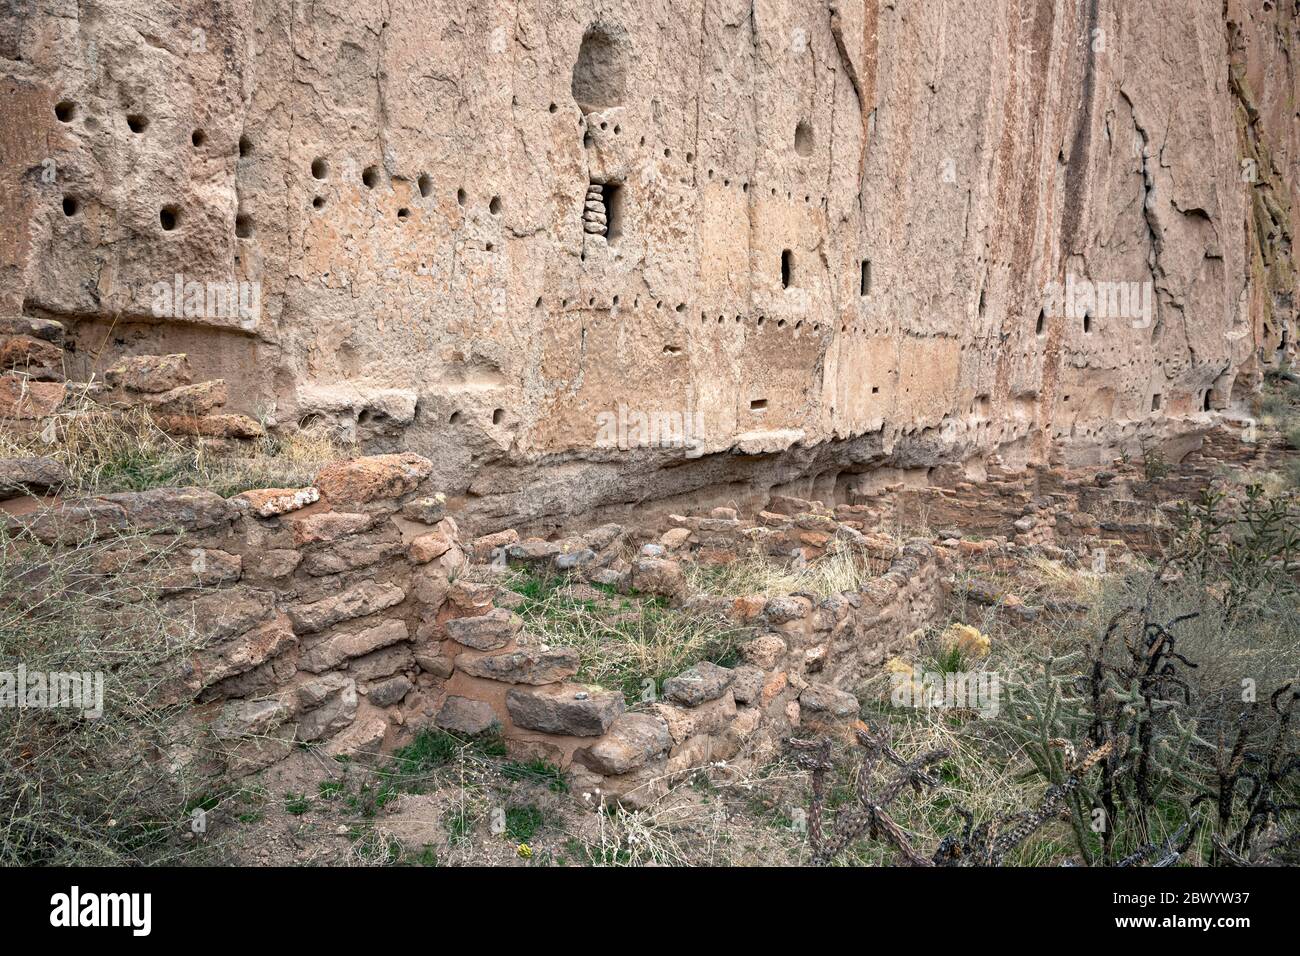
{"points": [[462, 715], [699, 684], [524, 666], [574, 711], [485, 632]]}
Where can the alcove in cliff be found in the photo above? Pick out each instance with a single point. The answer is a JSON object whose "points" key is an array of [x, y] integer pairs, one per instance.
{"points": [[600, 72]]}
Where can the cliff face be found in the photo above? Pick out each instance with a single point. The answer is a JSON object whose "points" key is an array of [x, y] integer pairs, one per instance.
{"points": [[588, 257]]}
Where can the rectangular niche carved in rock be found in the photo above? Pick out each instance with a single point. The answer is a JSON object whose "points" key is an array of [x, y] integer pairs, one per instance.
{"points": [[602, 210]]}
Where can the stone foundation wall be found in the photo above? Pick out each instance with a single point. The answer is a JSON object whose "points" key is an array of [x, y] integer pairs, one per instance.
{"points": [[339, 616]]}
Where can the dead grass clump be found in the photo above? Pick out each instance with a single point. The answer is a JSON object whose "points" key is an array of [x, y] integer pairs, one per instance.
{"points": [[633, 644], [100, 778], [121, 448], [840, 570]]}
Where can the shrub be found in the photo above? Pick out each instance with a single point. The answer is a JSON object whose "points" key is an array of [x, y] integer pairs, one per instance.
{"points": [[78, 790]]}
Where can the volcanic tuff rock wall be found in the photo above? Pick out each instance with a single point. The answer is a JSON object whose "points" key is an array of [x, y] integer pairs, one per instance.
{"points": [[823, 234]]}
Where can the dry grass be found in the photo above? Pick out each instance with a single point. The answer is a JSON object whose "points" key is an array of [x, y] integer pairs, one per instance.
{"points": [[111, 448], [78, 788], [840, 570], [633, 644]]}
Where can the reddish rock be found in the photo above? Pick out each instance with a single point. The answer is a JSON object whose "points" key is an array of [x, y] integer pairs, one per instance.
{"points": [[23, 399], [327, 526], [427, 547], [372, 478], [268, 502], [210, 426], [150, 373], [195, 399], [23, 352]]}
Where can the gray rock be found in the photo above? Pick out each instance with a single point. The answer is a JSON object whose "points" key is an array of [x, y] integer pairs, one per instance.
{"points": [[532, 551], [241, 718], [486, 632], [221, 615], [574, 559], [823, 698], [780, 610], [337, 648], [30, 475], [703, 682], [747, 683], [465, 716], [166, 509], [336, 710], [382, 663], [357, 601], [563, 713], [524, 666], [348, 555], [314, 692], [390, 691], [632, 740]]}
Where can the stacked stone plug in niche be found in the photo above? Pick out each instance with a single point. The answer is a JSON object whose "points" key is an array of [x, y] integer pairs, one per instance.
{"points": [[602, 211], [595, 221]]}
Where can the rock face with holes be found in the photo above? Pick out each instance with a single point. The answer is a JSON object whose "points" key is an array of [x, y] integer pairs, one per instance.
{"points": [[613, 252]]}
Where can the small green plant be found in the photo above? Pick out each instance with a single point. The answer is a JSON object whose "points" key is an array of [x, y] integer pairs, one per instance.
{"points": [[1155, 466], [296, 803], [371, 797], [522, 823], [459, 823], [428, 856], [329, 789], [537, 771]]}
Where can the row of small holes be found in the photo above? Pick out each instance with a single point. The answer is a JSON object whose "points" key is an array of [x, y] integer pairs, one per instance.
{"points": [[320, 170]]}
